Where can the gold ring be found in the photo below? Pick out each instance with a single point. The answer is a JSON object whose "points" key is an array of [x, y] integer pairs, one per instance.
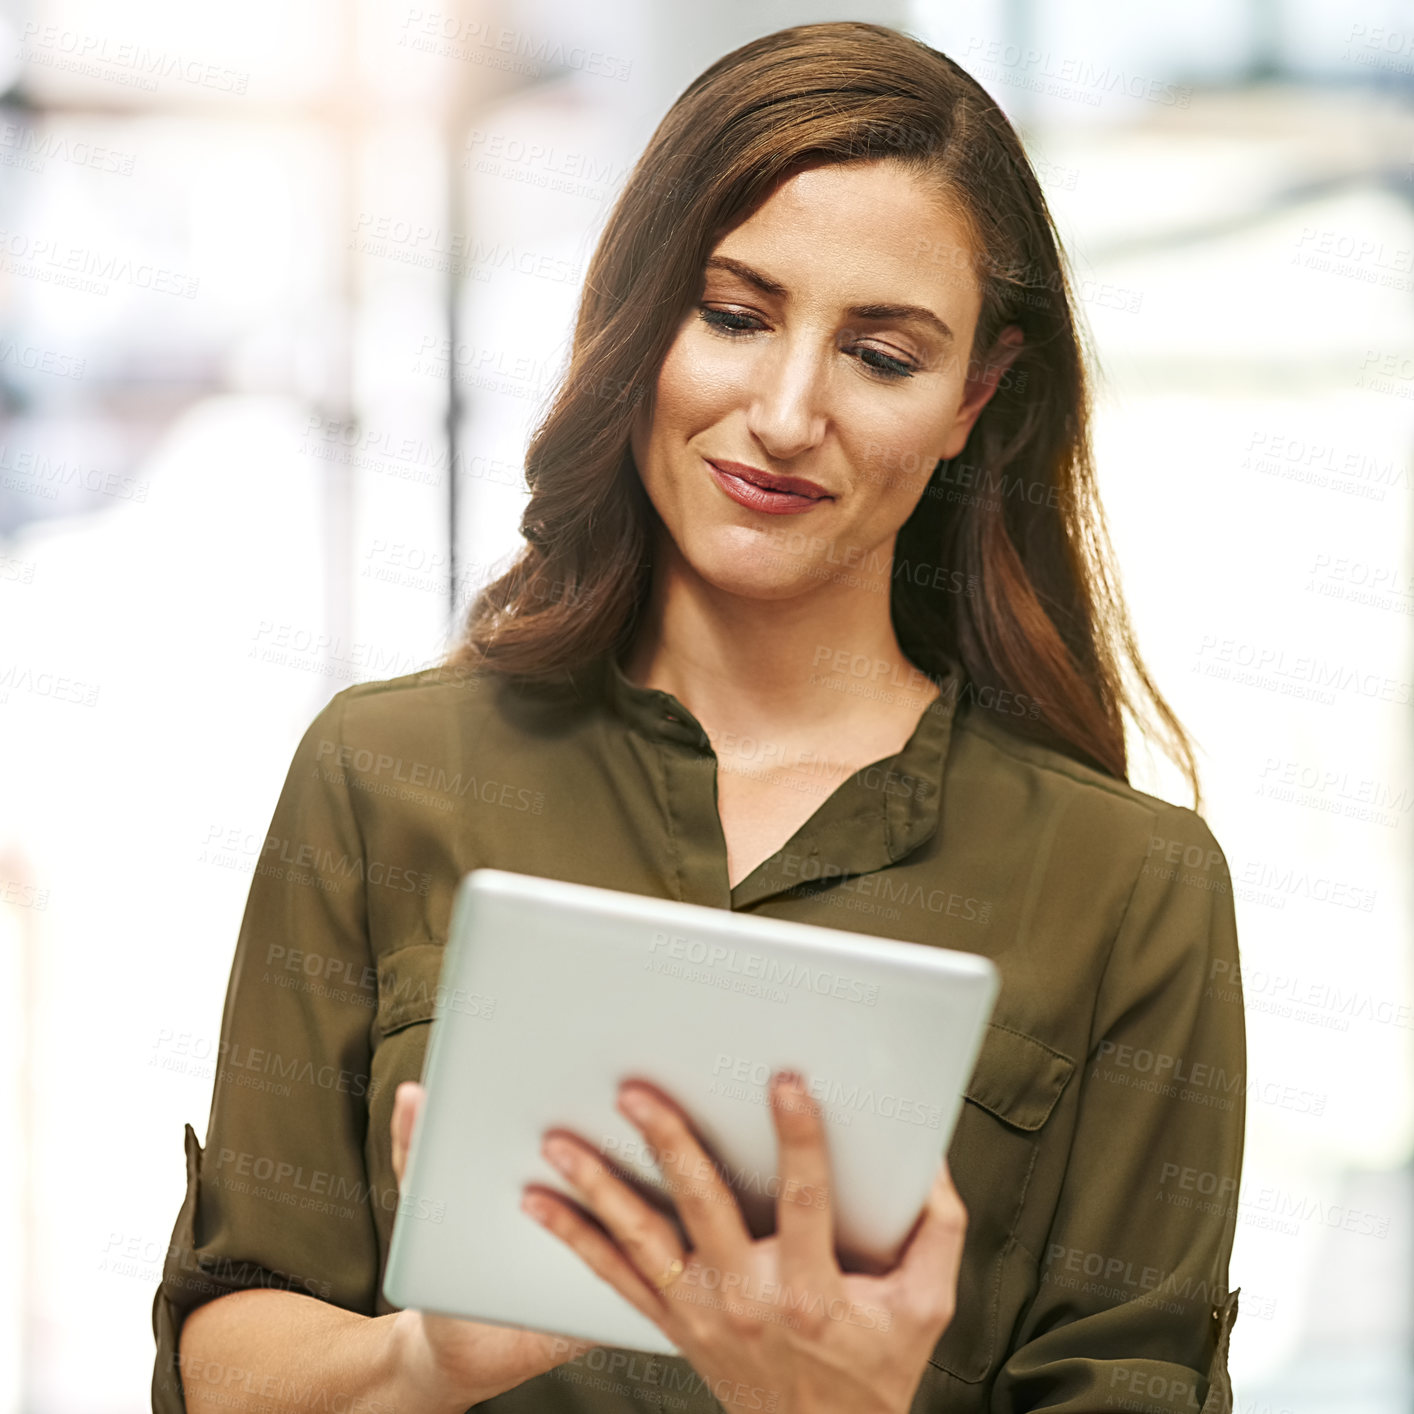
{"points": [[675, 1269]]}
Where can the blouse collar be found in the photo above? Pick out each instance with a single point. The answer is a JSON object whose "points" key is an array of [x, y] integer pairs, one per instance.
{"points": [[877, 815]]}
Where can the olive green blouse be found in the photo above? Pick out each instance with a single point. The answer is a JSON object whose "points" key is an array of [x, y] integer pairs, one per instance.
{"points": [[1109, 1092]]}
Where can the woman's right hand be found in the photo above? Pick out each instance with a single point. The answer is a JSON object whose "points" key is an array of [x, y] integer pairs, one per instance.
{"points": [[467, 1359]]}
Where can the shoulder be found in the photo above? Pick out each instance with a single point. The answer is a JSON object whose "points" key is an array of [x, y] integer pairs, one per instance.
{"points": [[441, 707], [376, 715], [1018, 767], [432, 689]]}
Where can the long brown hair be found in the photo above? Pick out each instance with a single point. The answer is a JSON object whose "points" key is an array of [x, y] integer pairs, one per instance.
{"points": [[1032, 608]]}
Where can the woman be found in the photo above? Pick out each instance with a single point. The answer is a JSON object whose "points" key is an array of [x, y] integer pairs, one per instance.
{"points": [[814, 621]]}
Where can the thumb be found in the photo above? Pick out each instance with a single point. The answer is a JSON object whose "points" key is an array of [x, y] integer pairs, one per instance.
{"points": [[934, 1253], [407, 1105]]}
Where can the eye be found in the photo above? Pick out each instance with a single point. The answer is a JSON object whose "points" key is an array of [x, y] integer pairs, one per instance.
{"points": [[890, 367], [733, 325], [724, 320]]}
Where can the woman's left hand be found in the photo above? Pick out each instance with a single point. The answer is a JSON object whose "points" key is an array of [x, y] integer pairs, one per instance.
{"points": [[770, 1323]]}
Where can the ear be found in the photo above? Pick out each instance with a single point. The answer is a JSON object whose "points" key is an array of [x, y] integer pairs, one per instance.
{"points": [[982, 379]]}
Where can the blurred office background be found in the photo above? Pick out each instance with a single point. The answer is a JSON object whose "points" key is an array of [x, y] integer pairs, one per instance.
{"points": [[282, 289]]}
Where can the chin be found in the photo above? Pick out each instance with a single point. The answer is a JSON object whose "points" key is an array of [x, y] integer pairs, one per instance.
{"points": [[757, 570]]}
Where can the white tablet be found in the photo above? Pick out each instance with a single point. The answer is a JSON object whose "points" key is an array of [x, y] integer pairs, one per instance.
{"points": [[553, 993]]}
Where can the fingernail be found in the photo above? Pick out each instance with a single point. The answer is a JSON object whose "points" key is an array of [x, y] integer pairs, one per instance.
{"points": [[787, 1080], [636, 1103], [560, 1153], [536, 1206]]}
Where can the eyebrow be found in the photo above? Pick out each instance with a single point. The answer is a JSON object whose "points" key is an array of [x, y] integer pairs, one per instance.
{"points": [[916, 312]]}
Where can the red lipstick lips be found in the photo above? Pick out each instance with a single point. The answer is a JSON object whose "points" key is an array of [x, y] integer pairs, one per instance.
{"points": [[765, 491]]}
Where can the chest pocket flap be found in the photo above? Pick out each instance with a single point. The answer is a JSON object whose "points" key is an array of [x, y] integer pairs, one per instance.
{"points": [[408, 985], [1018, 1078]]}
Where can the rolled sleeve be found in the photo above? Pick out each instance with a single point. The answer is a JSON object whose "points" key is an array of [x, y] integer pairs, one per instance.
{"points": [[279, 1196], [1132, 1308]]}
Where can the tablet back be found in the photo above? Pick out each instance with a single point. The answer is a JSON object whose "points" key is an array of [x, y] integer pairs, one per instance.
{"points": [[553, 993]]}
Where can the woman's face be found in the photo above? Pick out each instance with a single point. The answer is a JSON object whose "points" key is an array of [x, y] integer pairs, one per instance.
{"points": [[831, 343]]}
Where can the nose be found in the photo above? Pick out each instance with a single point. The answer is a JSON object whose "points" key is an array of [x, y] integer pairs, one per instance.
{"points": [[785, 407]]}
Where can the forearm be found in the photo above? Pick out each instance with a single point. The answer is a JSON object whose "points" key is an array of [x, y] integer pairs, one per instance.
{"points": [[272, 1350]]}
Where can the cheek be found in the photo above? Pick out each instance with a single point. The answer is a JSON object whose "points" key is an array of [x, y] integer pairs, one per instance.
{"points": [[894, 450], [700, 380]]}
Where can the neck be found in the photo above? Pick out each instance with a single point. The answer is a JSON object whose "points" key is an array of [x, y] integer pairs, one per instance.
{"points": [[823, 658]]}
